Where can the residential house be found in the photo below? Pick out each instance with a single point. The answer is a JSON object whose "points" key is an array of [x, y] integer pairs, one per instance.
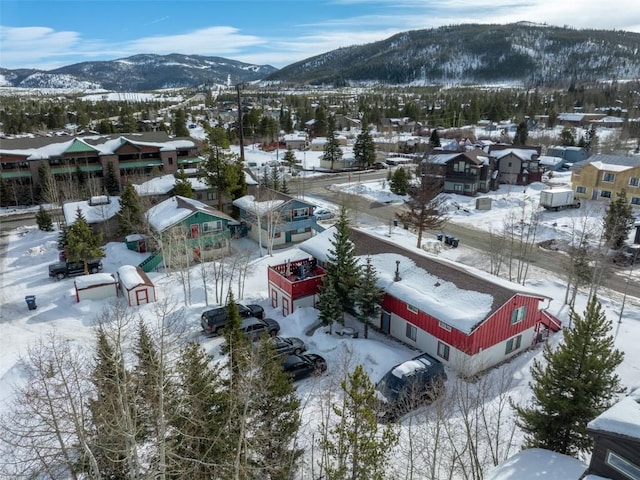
{"points": [[468, 319], [616, 440], [517, 166], [99, 212], [467, 173], [602, 177], [296, 141], [187, 230], [134, 157], [569, 154], [578, 119], [274, 219], [295, 284], [346, 162]]}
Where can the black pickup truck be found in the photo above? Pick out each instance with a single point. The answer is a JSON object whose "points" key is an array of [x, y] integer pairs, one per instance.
{"points": [[61, 270]]}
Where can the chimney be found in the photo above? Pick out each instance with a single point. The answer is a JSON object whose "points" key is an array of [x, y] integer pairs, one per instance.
{"points": [[397, 277]]}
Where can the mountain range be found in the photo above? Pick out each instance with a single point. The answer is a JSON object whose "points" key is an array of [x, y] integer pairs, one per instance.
{"points": [[520, 53]]}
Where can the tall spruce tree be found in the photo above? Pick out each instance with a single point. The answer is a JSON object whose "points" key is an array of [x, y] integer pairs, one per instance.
{"points": [[329, 305], [43, 220], [111, 184], [342, 265], [521, 135], [182, 186], [399, 182], [357, 446], [367, 295], [574, 384], [290, 159], [364, 149], [618, 221], [197, 443], [130, 217], [434, 139], [332, 151], [82, 244]]}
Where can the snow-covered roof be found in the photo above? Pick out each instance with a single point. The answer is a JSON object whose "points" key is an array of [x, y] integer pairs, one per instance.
{"points": [[456, 294], [610, 166], [92, 213], [550, 160], [164, 184], [175, 209], [251, 205], [537, 463], [94, 280], [131, 276], [623, 418], [524, 154]]}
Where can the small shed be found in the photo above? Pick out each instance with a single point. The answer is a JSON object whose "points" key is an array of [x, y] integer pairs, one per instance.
{"points": [[136, 242], [96, 286], [135, 285]]}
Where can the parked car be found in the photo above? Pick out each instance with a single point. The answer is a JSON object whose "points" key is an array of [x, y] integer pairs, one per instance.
{"points": [[288, 345], [254, 327], [379, 165], [61, 270], [323, 214], [410, 384], [214, 320], [304, 365]]}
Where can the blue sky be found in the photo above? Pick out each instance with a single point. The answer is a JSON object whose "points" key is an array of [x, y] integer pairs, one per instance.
{"points": [[50, 33]]}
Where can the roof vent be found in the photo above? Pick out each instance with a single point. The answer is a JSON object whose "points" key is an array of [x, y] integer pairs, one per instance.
{"points": [[397, 278]]}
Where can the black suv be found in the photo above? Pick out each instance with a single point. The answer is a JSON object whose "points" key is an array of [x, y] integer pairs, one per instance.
{"points": [[214, 320], [61, 270], [304, 365], [254, 328], [410, 384]]}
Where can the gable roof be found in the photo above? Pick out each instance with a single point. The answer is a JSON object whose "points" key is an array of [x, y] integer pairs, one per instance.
{"points": [[175, 209], [266, 200], [92, 213], [456, 294], [604, 161], [623, 418]]}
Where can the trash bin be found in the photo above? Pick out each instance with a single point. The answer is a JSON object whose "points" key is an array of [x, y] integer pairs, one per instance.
{"points": [[395, 223], [439, 237], [447, 239], [454, 242], [31, 302]]}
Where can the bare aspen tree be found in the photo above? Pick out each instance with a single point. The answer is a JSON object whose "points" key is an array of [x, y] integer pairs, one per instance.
{"points": [[495, 252], [46, 429]]}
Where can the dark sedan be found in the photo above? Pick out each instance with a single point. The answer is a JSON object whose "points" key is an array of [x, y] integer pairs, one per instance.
{"points": [[305, 365]]}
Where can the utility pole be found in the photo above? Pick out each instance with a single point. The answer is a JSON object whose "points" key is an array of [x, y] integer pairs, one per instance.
{"points": [[240, 128]]}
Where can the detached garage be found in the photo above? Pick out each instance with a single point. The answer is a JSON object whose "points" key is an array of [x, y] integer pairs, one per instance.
{"points": [[136, 285], [96, 286]]}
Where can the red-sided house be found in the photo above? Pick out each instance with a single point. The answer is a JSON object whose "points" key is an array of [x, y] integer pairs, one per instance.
{"points": [[294, 284], [467, 318]]}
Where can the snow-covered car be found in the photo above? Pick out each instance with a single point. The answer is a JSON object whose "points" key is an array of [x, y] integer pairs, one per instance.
{"points": [[323, 214]]}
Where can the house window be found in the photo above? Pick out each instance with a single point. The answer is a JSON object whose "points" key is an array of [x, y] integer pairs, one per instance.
{"points": [[518, 315], [211, 195], [285, 306], [443, 350], [412, 332], [608, 177], [582, 190], [622, 465], [605, 194], [634, 182], [208, 227], [300, 212], [513, 344], [170, 160], [635, 200], [412, 309], [459, 166], [444, 326], [274, 298]]}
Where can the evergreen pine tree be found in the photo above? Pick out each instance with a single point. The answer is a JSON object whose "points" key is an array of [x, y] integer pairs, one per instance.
{"points": [[290, 159], [364, 149], [274, 178], [183, 186], [320, 126], [358, 446], [82, 244], [130, 217], [329, 305], [108, 442], [284, 188], [179, 124], [575, 383], [399, 182], [521, 135], [236, 345], [618, 221], [197, 441], [332, 151], [111, 184], [277, 417], [342, 266], [43, 220], [62, 238], [367, 295]]}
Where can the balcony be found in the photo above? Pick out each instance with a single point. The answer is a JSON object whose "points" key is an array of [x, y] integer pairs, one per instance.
{"points": [[298, 279]]}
